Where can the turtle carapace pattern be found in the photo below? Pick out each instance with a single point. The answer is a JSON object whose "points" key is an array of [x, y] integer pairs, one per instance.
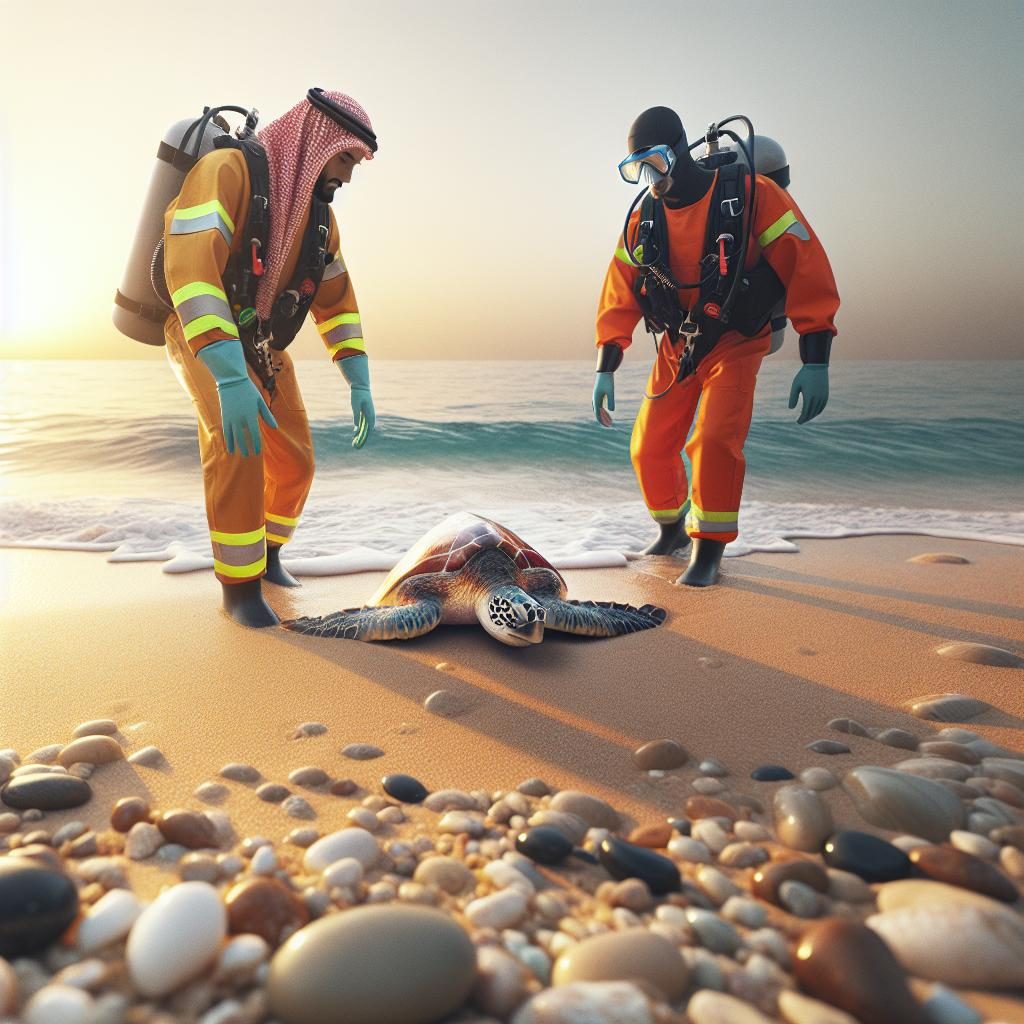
{"points": [[470, 569]]}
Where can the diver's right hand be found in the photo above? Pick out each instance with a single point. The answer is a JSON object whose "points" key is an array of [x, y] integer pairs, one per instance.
{"points": [[604, 397], [241, 409]]}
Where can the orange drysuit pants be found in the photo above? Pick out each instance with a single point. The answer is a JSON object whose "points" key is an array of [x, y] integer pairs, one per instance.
{"points": [[251, 500], [723, 385]]}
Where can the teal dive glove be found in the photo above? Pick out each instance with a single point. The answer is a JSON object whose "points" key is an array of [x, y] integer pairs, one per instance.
{"points": [[812, 382], [356, 370], [241, 404], [604, 397]]}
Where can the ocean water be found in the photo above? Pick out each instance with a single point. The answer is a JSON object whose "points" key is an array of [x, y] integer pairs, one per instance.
{"points": [[103, 456]]}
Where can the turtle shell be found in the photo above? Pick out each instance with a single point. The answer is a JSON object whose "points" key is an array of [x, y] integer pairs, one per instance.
{"points": [[451, 544]]}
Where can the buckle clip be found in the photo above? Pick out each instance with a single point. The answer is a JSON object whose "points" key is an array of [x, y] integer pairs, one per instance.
{"points": [[257, 263], [723, 259], [732, 207]]}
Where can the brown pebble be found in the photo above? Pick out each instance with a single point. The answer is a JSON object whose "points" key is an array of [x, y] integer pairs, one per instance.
{"points": [[273, 792], [633, 894], [660, 755], [655, 837], [1009, 835], [698, 807], [127, 812], [847, 965], [187, 828], [1005, 791], [343, 787], [955, 867], [767, 879], [265, 907], [951, 751]]}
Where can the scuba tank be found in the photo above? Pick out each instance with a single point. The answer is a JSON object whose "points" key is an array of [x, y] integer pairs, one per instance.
{"points": [[139, 310]]}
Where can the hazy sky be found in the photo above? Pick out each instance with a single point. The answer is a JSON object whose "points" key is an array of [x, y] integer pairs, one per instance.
{"points": [[484, 226]]}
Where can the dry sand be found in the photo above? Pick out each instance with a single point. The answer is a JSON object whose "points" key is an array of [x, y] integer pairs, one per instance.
{"points": [[748, 672]]}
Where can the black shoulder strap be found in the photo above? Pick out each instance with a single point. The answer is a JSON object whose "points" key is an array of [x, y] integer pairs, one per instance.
{"points": [[724, 240]]}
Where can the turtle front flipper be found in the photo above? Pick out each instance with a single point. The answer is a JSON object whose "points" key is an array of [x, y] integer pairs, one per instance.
{"points": [[391, 622], [599, 618]]}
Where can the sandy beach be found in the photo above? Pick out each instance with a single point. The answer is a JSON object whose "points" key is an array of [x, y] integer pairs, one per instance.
{"points": [[747, 673]]}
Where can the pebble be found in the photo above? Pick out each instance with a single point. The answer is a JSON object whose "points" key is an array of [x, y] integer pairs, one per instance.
{"points": [[361, 751], [800, 899], [446, 704], [45, 792], [349, 842], [544, 844], [948, 707], [142, 841], [391, 815], [587, 1002], [698, 807], [309, 777], [92, 750], [348, 960], [847, 887], [273, 792], [199, 867], [654, 837], [900, 802], [501, 982], [711, 834], [59, 1004], [502, 909], [404, 788], [85, 974], [45, 755], [663, 755], [743, 855], [954, 867], [187, 828], [744, 911], [96, 727], [1005, 768], [363, 817], [867, 856], [978, 846], [308, 729], [345, 873], [108, 920], [1012, 862], [897, 738], [462, 822], [72, 830], [632, 894], [148, 757], [935, 768], [708, 786], [447, 873], [688, 849], [127, 811], [978, 945], [802, 819], [848, 725], [624, 956], [981, 654], [715, 934], [450, 800], [211, 792], [771, 773], [800, 1009], [624, 860], [944, 1007], [949, 751], [939, 558], [36, 905], [343, 787], [708, 1007], [158, 961], [751, 832], [712, 767], [828, 747], [717, 885], [846, 965], [265, 907], [298, 807], [533, 787], [264, 861], [242, 955], [1012, 835], [594, 811], [6, 768], [768, 880]]}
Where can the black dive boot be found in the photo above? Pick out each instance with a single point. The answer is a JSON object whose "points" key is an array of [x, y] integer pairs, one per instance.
{"points": [[672, 540], [276, 572], [245, 604], [704, 563]]}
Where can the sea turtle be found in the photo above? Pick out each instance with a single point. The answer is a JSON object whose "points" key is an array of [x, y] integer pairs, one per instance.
{"points": [[470, 569]]}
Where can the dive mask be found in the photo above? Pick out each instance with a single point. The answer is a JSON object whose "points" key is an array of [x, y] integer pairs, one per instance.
{"points": [[649, 165]]}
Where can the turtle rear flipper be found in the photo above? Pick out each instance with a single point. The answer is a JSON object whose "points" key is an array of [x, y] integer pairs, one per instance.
{"points": [[599, 618], [392, 622]]}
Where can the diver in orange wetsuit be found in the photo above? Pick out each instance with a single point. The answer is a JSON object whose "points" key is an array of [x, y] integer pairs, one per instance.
{"points": [[715, 380]]}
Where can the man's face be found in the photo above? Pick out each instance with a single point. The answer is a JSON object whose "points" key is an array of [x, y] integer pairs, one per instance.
{"points": [[338, 172]]}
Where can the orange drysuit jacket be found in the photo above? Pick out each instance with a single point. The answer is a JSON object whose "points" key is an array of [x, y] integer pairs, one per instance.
{"points": [[216, 194], [781, 233]]}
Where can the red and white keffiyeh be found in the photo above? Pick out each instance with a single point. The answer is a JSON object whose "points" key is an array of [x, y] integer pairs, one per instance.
{"points": [[298, 145]]}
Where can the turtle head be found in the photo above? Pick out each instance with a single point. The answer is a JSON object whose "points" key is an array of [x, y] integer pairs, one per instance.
{"points": [[511, 616]]}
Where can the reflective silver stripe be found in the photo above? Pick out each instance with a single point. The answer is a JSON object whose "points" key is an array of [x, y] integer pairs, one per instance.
{"points": [[239, 554], [279, 529], [343, 332], [704, 526], [208, 222], [203, 305], [335, 268], [796, 228]]}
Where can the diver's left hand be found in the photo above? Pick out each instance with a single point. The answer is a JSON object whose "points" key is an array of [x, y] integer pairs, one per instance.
{"points": [[356, 370], [811, 381]]}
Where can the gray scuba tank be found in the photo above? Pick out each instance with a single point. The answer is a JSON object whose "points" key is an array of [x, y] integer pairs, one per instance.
{"points": [[139, 312]]}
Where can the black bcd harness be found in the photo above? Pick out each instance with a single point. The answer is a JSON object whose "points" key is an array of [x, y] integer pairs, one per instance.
{"points": [[729, 298]]}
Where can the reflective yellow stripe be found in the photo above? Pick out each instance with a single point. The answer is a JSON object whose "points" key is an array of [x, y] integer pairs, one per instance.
{"points": [[669, 515], [623, 255], [714, 517], [283, 520], [280, 540], [238, 538], [190, 291], [343, 318], [253, 569], [356, 343], [778, 228], [207, 323], [213, 206]]}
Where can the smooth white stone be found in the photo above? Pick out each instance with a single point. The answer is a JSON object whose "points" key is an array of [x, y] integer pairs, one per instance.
{"points": [[802, 819], [746, 912], [718, 886], [457, 822], [501, 982], [59, 1004], [264, 861], [718, 1008], [109, 919], [244, 953], [588, 1002], [85, 974], [363, 817], [908, 843], [143, 840], [800, 899], [499, 910], [159, 956], [897, 800], [979, 846], [751, 832], [690, 850], [343, 873], [505, 876], [349, 842], [711, 834]]}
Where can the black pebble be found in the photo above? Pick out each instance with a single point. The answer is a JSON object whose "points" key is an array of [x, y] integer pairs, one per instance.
{"points": [[771, 773], [46, 792], [625, 860], [863, 854], [404, 788], [681, 825], [36, 905], [543, 844]]}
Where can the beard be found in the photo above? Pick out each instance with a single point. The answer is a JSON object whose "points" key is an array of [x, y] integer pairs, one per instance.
{"points": [[325, 188]]}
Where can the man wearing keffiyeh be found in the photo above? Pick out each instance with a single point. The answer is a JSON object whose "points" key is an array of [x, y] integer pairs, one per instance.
{"points": [[256, 449]]}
